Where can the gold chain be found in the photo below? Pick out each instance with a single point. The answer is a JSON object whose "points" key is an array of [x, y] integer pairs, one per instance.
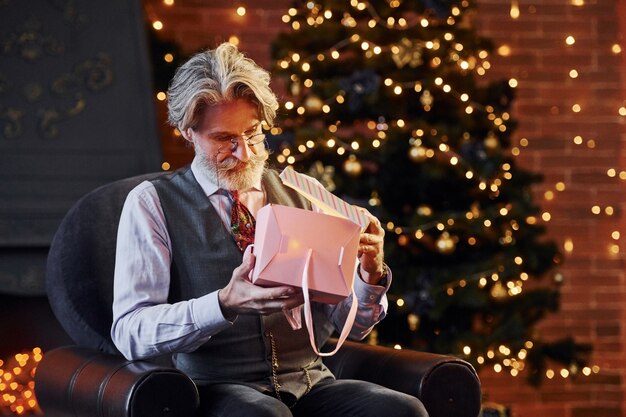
{"points": [[309, 385], [275, 383], [274, 365]]}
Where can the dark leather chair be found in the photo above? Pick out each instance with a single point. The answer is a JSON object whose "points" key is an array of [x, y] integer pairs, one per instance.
{"points": [[92, 379]]}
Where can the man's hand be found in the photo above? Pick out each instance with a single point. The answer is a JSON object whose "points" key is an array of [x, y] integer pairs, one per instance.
{"points": [[241, 296], [371, 250]]}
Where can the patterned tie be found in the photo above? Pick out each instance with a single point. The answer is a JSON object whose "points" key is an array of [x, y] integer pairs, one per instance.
{"points": [[242, 223]]}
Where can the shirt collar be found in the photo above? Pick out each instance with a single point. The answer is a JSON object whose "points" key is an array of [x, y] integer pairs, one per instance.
{"points": [[207, 185]]}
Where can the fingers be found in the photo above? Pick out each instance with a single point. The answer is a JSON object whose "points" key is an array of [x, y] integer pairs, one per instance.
{"points": [[374, 227], [371, 243], [274, 301], [244, 270], [370, 239], [282, 300]]}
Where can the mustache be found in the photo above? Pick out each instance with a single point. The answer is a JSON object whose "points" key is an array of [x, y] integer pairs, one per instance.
{"points": [[231, 162]]}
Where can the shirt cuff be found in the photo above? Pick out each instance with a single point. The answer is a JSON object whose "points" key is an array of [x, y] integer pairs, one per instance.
{"points": [[371, 294], [207, 314]]}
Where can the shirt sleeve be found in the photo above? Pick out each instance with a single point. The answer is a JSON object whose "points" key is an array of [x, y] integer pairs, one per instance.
{"points": [[372, 308], [144, 323]]}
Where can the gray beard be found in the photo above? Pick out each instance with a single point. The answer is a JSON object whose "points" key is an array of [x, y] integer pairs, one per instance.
{"points": [[225, 177]]}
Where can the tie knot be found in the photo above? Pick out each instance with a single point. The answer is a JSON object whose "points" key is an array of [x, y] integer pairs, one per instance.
{"points": [[234, 194]]}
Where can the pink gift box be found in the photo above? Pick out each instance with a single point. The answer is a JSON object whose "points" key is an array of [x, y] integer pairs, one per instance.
{"points": [[283, 238]]}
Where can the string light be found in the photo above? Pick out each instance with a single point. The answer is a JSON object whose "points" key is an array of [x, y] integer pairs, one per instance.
{"points": [[17, 386], [514, 11], [423, 146]]}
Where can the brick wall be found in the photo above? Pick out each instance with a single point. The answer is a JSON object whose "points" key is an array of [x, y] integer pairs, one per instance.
{"points": [[593, 294], [594, 291]]}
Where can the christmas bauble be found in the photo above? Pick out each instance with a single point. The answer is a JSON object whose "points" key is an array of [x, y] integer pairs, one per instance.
{"points": [[313, 103], [417, 153], [413, 321], [424, 210], [445, 243], [352, 166], [498, 291], [491, 142], [295, 89]]}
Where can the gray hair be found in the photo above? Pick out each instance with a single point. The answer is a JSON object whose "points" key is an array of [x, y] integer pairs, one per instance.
{"points": [[219, 75]]}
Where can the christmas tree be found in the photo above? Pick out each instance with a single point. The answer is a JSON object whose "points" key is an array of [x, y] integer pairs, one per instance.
{"points": [[388, 107]]}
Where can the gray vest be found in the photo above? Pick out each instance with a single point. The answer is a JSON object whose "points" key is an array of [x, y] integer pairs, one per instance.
{"points": [[204, 254]]}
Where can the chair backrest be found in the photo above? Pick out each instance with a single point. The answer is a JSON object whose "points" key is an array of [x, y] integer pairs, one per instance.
{"points": [[81, 261]]}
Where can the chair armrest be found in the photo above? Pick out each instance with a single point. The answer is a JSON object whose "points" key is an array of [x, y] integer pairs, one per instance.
{"points": [[77, 381], [447, 386]]}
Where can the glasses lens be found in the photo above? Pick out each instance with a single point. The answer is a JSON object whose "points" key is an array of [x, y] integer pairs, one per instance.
{"points": [[256, 139]]}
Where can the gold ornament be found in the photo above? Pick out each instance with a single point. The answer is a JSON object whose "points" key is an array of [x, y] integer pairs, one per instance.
{"points": [[426, 98], [498, 291], [413, 321], [417, 153], [424, 210], [374, 199], [445, 243], [295, 88], [313, 103], [352, 166], [324, 174], [491, 142], [407, 52]]}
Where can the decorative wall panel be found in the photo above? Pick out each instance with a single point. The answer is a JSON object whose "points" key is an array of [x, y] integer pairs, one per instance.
{"points": [[76, 111]]}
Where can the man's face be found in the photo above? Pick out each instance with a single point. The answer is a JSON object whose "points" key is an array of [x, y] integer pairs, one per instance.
{"points": [[220, 144]]}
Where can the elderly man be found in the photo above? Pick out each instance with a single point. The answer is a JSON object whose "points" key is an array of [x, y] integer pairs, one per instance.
{"points": [[181, 274]]}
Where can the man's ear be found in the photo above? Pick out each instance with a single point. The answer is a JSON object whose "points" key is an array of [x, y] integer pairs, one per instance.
{"points": [[186, 134]]}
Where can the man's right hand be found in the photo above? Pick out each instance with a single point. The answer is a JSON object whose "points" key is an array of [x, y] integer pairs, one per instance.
{"points": [[241, 296]]}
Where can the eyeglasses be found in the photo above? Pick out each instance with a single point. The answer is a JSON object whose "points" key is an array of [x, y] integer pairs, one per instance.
{"points": [[251, 140]]}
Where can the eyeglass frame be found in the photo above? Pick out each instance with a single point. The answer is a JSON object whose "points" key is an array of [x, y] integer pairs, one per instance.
{"points": [[251, 139]]}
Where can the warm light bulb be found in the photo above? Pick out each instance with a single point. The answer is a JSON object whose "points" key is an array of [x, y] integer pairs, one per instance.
{"points": [[504, 50], [514, 12]]}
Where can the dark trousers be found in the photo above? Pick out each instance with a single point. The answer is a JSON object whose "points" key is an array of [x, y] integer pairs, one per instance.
{"points": [[329, 398]]}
